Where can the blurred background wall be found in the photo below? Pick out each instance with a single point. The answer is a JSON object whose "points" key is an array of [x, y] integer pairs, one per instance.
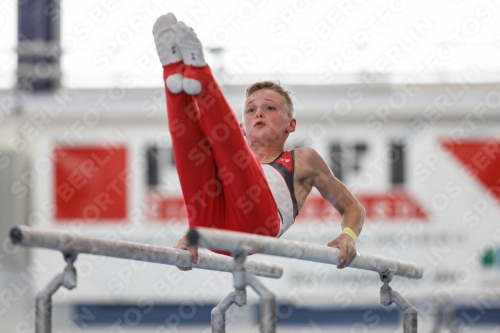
{"points": [[401, 98]]}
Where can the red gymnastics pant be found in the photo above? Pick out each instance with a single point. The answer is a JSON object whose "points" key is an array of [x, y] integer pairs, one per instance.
{"points": [[222, 181]]}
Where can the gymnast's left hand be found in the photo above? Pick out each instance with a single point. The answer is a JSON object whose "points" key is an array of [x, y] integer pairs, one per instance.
{"points": [[347, 248]]}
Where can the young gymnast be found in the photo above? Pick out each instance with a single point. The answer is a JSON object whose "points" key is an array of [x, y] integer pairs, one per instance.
{"points": [[237, 176]]}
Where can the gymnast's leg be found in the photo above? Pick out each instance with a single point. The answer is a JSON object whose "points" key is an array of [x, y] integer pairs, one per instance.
{"points": [[249, 204], [194, 161]]}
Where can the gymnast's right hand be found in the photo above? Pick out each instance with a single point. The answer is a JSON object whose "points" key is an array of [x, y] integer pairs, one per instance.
{"points": [[184, 245]]}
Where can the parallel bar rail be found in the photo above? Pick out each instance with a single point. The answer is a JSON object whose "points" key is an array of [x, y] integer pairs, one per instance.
{"points": [[240, 244], [64, 242], [233, 241]]}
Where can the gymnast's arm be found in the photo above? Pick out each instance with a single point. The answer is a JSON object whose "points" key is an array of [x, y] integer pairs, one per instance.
{"points": [[316, 173]]}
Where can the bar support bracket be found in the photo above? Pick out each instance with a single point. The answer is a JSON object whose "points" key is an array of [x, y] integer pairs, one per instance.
{"points": [[241, 279], [67, 279], [389, 296]]}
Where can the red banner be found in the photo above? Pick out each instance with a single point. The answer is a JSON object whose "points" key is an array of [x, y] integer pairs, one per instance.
{"points": [[90, 183]]}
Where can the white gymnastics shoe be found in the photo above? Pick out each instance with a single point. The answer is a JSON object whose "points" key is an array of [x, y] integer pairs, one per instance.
{"points": [[190, 45], [192, 54], [174, 83], [163, 32], [168, 51], [191, 86]]}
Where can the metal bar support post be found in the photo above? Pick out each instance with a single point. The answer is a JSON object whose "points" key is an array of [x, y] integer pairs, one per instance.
{"points": [[242, 278], [389, 296], [267, 306], [238, 297], [43, 311]]}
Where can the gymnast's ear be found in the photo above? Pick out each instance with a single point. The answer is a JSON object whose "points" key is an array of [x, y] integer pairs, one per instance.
{"points": [[242, 130], [291, 125]]}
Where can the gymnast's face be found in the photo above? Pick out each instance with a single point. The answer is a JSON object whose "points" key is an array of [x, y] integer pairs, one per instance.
{"points": [[265, 118]]}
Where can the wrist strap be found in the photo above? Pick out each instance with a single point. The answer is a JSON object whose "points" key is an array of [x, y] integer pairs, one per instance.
{"points": [[350, 233]]}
